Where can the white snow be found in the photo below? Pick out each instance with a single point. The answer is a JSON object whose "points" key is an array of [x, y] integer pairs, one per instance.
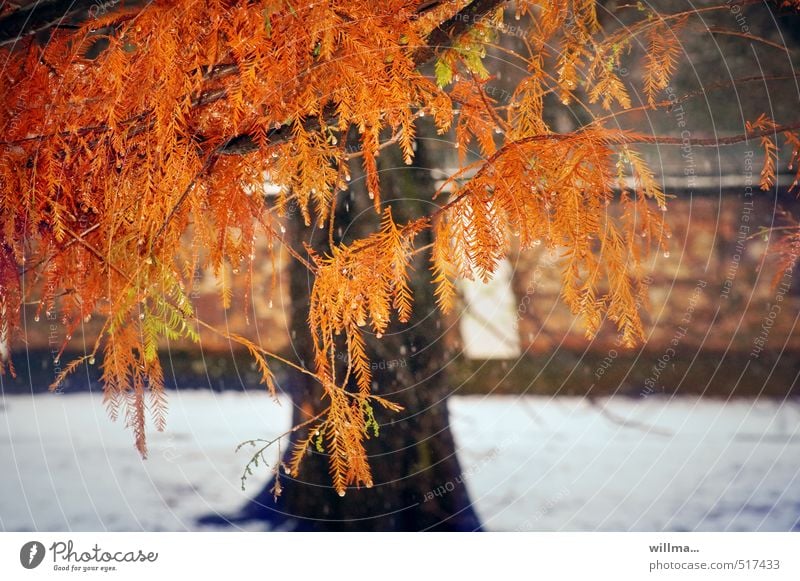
{"points": [[688, 464], [530, 463]]}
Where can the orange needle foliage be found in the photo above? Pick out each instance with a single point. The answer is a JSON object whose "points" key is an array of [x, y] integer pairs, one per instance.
{"points": [[134, 151]]}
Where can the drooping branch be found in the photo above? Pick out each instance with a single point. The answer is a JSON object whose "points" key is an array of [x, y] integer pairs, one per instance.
{"points": [[615, 138]]}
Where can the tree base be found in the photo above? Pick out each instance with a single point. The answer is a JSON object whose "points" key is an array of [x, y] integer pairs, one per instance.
{"points": [[419, 484]]}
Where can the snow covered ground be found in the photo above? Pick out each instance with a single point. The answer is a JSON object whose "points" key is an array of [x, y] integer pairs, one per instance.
{"points": [[530, 463]]}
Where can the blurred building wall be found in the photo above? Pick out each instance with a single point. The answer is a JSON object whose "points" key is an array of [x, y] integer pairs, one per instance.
{"points": [[714, 291]]}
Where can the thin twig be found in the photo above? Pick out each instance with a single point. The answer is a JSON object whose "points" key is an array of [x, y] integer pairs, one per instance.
{"points": [[267, 443], [725, 31], [271, 354]]}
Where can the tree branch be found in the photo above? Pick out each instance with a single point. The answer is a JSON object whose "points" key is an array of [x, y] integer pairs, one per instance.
{"points": [[448, 32], [642, 139], [710, 141], [440, 38], [37, 17], [46, 14]]}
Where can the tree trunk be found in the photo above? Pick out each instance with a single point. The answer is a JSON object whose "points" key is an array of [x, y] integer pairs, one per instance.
{"points": [[418, 482]]}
